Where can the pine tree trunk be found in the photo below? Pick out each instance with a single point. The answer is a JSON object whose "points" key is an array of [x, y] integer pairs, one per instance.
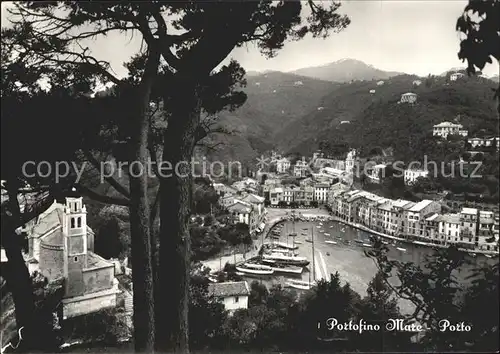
{"points": [[16, 272], [142, 272], [175, 211]]}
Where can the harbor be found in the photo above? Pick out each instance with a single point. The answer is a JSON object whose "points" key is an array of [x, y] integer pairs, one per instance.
{"points": [[337, 248]]}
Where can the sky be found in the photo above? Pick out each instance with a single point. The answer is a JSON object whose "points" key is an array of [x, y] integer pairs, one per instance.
{"points": [[414, 37]]}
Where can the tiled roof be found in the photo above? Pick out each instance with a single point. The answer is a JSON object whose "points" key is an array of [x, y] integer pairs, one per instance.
{"points": [[420, 205], [239, 207], [450, 218], [469, 211], [238, 288], [252, 198]]}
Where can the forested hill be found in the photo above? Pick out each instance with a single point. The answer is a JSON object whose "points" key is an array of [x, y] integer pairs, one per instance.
{"points": [[274, 100], [377, 120]]}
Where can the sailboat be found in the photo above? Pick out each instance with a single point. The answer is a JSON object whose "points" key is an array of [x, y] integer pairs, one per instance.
{"points": [[249, 269]]}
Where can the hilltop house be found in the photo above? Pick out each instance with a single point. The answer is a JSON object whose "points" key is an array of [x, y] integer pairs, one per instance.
{"points": [[61, 245], [446, 128], [408, 97], [234, 295], [456, 76], [486, 142], [411, 175]]}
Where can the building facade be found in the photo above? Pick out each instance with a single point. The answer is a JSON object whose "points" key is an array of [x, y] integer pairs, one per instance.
{"points": [[447, 128], [411, 175]]}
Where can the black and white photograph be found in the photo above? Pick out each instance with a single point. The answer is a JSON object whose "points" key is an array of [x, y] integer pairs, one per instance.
{"points": [[260, 176]]}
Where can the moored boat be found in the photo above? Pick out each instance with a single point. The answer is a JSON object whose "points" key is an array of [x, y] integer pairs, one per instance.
{"points": [[331, 242], [287, 259], [244, 269], [278, 268], [401, 249], [257, 266], [309, 240], [285, 245], [367, 245]]}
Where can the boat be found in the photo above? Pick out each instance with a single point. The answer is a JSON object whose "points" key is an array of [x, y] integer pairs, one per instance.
{"points": [[278, 268], [287, 259], [257, 266], [331, 242], [297, 284], [359, 241], [401, 249], [327, 234], [367, 245], [309, 240], [488, 255], [327, 253], [285, 245], [268, 261], [298, 242], [385, 242], [473, 254], [244, 269]]}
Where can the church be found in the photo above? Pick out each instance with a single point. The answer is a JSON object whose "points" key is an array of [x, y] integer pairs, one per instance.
{"points": [[61, 245]]}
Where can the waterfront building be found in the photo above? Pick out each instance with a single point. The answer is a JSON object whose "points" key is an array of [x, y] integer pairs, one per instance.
{"points": [[299, 195], [432, 228], [485, 237], [288, 194], [416, 215], [61, 246], [468, 223], [321, 192], [308, 194], [233, 295], [276, 196], [449, 228]]}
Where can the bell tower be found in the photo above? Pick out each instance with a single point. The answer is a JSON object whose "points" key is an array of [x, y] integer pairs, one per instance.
{"points": [[75, 244]]}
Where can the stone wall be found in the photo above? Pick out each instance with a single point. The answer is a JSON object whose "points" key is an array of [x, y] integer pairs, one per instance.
{"points": [[98, 279], [51, 261], [82, 305]]}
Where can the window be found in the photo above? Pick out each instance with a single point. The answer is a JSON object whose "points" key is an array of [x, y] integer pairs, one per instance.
{"points": [[76, 259], [72, 223], [236, 299], [79, 222]]}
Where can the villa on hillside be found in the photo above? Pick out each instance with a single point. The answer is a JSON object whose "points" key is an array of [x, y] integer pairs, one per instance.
{"points": [[486, 142], [61, 245], [447, 128], [408, 97], [411, 175]]}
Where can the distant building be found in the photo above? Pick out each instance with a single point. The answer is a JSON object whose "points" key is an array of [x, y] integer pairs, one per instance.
{"points": [[376, 173], [417, 82], [298, 83], [234, 295], [282, 165], [380, 83], [486, 142], [301, 168], [408, 97], [447, 128], [345, 122], [321, 108], [411, 175], [61, 245], [456, 76], [223, 190], [349, 161], [372, 91]]}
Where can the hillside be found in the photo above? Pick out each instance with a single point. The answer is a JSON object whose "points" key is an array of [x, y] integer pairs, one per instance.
{"points": [[378, 120], [274, 100], [345, 70]]}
